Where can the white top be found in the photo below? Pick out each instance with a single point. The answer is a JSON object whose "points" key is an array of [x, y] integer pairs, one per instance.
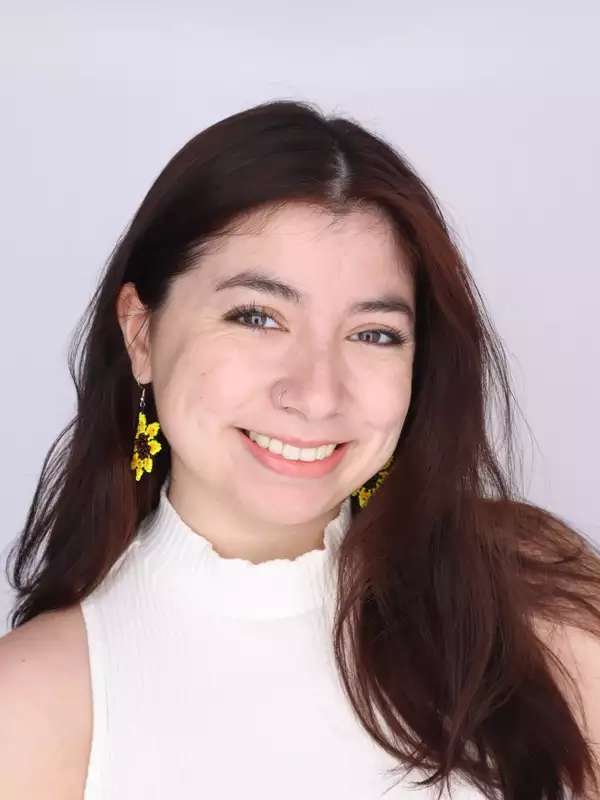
{"points": [[214, 678]]}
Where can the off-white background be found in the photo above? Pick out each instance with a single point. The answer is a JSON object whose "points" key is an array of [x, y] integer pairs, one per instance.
{"points": [[496, 105]]}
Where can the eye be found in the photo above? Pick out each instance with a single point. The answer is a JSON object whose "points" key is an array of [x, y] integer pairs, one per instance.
{"points": [[249, 311], [245, 315], [396, 337]]}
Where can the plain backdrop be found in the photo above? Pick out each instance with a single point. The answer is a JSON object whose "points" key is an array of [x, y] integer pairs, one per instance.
{"points": [[495, 104]]}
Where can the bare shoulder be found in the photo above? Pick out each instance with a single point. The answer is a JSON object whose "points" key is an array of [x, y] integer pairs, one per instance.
{"points": [[45, 697], [578, 652]]}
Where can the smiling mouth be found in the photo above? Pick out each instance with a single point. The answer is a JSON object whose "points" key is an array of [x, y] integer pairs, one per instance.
{"points": [[247, 434]]}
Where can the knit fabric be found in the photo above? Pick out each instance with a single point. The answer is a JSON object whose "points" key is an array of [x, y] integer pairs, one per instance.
{"points": [[215, 678]]}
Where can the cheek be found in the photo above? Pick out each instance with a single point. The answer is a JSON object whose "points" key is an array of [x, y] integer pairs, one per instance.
{"points": [[385, 401], [204, 385]]}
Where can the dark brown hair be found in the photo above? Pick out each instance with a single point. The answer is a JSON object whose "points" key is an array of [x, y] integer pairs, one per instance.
{"points": [[444, 574]]}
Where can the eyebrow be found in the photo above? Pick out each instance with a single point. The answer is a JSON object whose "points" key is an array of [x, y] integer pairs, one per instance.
{"points": [[261, 282]]}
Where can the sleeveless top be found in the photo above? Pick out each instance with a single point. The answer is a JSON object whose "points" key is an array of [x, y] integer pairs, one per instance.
{"points": [[214, 677]]}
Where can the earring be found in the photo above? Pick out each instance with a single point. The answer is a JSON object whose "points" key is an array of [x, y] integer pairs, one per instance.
{"points": [[366, 491], [144, 444]]}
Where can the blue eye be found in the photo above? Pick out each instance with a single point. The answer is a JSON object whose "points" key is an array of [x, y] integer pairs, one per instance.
{"points": [[396, 338], [253, 311], [248, 311]]}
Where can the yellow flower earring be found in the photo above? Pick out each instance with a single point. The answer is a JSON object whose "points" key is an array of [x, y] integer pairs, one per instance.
{"points": [[366, 491], [144, 446]]}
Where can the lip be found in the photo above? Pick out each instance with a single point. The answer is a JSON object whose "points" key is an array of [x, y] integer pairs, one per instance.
{"points": [[298, 469], [297, 442]]}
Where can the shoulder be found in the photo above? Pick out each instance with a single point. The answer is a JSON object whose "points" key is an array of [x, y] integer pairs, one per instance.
{"points": [[45, 696], [577, 652]]}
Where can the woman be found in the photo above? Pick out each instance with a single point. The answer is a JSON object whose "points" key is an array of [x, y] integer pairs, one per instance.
{"points": [[277, 541]]}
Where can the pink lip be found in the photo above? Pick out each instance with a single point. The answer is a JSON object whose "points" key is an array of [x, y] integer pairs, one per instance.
{"points": [[302, 469]]}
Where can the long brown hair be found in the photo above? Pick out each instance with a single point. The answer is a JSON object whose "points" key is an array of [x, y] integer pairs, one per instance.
{"points": [[444, 573]]}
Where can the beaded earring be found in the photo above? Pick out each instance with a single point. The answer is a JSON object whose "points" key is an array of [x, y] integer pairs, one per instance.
{"points": [[366, 491], [144, 445]]}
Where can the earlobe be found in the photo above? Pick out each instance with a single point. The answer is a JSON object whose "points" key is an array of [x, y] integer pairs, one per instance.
{"points": [[134, 317]]}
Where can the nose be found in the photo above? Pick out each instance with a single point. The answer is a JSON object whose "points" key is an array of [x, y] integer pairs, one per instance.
{"points": [[314, 382]]}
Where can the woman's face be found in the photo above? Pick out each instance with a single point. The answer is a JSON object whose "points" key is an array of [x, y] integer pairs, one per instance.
{"points": [[342, 377]]}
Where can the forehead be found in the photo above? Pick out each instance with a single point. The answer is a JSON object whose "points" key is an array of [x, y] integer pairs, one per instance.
{"points": [[299, 241]]}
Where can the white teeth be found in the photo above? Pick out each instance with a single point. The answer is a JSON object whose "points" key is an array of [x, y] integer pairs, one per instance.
{"points": [[290, 452]]}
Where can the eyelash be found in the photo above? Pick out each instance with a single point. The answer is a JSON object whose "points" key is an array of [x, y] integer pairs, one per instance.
{"points": [[398, 339]]}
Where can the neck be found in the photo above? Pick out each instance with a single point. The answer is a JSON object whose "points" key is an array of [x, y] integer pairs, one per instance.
{"points": [[234, 534]]}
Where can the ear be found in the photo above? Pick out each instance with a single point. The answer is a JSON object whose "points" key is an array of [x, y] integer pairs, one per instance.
{"points": [[134, 320]]}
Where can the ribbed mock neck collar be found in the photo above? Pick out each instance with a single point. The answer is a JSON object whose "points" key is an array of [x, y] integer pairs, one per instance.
{"points": [[234, 587]]}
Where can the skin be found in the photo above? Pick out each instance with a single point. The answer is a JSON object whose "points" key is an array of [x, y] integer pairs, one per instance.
{"points": [[211, 376]]}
